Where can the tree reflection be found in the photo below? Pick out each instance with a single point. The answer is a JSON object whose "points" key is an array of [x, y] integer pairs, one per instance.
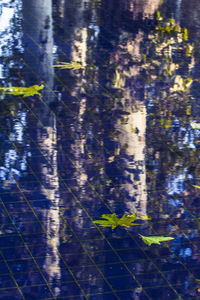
{"points": [[115, 136]]}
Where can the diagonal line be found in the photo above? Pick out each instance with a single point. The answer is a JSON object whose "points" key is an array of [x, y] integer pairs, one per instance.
{"points": [[91, 220], [111, 211], [46, 234], [11, 274], [69, 189], [26, 246]]}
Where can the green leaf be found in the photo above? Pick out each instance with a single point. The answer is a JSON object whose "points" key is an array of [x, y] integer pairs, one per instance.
{"points": [[197, 186], [113, 221], [155, 239], [127, 221], [105, 223], [25, 91], [71, 65]]}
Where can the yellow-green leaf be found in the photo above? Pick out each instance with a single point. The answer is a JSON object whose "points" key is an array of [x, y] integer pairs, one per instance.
{"points": [[111, 220], [127, 221], [155, 239], [69, 65], [25, 91]]}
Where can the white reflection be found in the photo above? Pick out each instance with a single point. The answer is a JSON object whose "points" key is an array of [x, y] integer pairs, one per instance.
{"points": [[6, 15], [132, 139], [8, 12], [178, 10], [79, 54], [18, 129], [38, 37], [50, 189], [132, 130]]}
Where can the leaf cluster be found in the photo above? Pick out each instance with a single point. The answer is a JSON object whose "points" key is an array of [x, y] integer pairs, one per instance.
{"points": [[111, 220]]}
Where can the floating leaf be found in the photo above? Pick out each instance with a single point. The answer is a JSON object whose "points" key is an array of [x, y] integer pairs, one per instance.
{"points": [[71, 65], [25, 91], [196, 186], [155, 239], [127, 221], [111, 220]]}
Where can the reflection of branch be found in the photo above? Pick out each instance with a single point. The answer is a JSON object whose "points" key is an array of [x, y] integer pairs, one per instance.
{"points": [[119, 80]]}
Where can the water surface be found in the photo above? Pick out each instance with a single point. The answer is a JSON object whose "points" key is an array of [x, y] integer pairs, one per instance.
{"points": [[120, 135]]}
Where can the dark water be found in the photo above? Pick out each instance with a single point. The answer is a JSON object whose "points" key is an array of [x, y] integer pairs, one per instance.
{"points": [[117, 136]]}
